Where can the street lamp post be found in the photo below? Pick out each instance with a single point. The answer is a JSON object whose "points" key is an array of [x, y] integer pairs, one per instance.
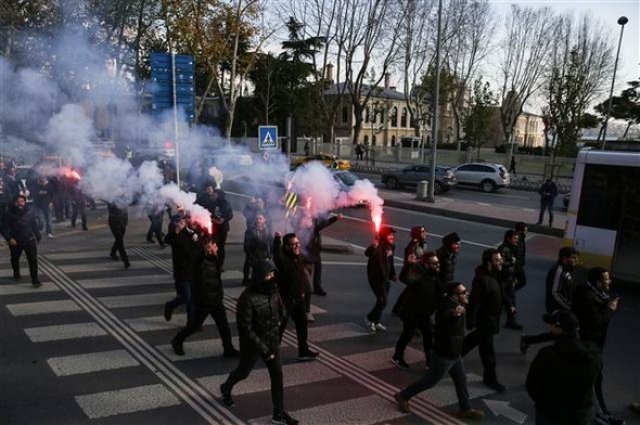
{"points": [[431, 197], [622, 21]]}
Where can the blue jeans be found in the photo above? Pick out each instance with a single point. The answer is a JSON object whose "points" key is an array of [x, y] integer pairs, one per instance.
{"points": [[183, 291], [437, 368], [382, 295], [546, 204]]}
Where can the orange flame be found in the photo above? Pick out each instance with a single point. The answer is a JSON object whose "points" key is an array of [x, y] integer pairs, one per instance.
{"points": [[377, 221]]}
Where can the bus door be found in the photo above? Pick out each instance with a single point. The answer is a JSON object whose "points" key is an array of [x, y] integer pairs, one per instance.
{"points": [[625, 260]]}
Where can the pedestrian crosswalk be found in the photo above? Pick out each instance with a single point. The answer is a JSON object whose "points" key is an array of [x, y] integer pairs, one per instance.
{"points": [[127, 310]]}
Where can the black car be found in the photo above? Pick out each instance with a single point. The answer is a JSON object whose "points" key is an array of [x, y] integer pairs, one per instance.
{"points": [[412, 174]]}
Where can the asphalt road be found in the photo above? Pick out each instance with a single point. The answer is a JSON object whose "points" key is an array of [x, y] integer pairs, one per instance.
{"points": [[91, 346], [508, 197]]}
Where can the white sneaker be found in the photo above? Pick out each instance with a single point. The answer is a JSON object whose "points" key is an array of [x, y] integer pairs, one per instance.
{"points": [[369, 325], [310, 318], [50, 236], [380, 327]]}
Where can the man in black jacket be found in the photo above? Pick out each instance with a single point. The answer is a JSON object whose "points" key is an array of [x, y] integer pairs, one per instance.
{"points": [[22, 234], [561, 377], [259, 312], [183, 252], [380, 272], [508, 249], [548, 192], [417, 303], [594, 306], [258, 243], [445, 356], [42, 197], [207, 300], [560, 287], [221, 214], [447, 254], [294, 285], [488, 299], [118, 219]]}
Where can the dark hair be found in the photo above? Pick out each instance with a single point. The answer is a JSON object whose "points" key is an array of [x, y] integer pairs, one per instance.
{"points": [[450, 239], [567, 251], [520, 226], [428, 254], [595, 274], [487, 255], [509, 234], [286, 239], [451, 288], [15, 198]]}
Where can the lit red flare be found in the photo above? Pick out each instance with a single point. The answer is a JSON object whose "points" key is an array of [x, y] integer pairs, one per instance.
{"points": [[377, 221], [69, 173]]}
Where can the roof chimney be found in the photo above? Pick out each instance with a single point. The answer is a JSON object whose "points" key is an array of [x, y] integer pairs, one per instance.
{"points": [[387, 79], [329, 72]]}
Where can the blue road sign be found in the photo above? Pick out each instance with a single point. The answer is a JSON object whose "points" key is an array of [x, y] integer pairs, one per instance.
{"points": [[162, 78], [267, 137]]}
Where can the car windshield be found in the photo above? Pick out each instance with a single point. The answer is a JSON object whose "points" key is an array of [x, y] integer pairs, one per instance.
{"points": [[347, 178]]}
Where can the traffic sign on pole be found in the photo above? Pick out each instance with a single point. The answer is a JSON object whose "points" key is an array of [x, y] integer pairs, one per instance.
{"points": [[169, 88], [267, 137]]}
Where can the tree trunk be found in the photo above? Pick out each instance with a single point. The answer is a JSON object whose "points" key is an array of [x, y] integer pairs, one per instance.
{"points": [[200, 106], [624, 136]]}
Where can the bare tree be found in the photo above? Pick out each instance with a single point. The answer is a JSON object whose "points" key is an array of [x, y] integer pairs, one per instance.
{"points": [[582, 61], [416, 48], [467, 45], [529, 36], [368, 36]]}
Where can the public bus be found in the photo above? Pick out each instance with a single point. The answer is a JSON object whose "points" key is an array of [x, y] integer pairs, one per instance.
{"points": [[603, 216]]}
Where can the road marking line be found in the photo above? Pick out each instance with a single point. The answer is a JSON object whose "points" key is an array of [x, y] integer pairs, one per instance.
{"points": [[62, 332], [128, 400], [183, 386], [91, 362]]}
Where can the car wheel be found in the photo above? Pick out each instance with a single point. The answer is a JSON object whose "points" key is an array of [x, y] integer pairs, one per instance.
{"points": [[488, 186], [392, 183], [437, 188]]}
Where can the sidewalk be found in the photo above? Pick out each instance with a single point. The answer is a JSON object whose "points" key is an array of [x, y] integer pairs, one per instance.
{"points": [[478, 212]]}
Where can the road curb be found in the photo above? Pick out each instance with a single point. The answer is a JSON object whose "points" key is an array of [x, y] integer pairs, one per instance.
{"points": [[534, 228]]}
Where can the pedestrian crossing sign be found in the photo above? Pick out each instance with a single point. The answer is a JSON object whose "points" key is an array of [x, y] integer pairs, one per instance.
{"points": [[267, 137]]}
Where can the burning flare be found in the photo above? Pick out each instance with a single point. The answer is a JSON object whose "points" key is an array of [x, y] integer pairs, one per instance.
{"points": [[377, 220], [69, 173]]}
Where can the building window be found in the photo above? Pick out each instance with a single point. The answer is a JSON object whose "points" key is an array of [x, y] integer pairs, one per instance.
{"points": [[366, 139], [394, 117], [403, 118], [393, 140], [374, 117], [366, 114], [373, 140], [345, 114]]}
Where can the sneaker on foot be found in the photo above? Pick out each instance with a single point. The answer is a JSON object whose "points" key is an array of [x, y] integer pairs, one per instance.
{"points": [[225, 396], [177, 348], [50, 235], [283, 418], [380, 327], [403, 404], [371, 327], [310, 318], [471, 414], [309, 355], [400, 363], [523, 345], [114, 257], [36, 284]]}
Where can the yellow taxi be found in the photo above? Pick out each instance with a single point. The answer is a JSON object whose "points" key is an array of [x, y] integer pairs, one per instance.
{"points": [[329, 160]]}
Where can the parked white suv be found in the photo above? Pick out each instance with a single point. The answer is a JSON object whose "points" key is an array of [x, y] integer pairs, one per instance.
{"points": [[489, 177]]}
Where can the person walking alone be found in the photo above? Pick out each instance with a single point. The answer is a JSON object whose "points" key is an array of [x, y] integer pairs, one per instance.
{"points": [[548, 192], [259, 312], [118, 219], [380, 272], [21, 232]]}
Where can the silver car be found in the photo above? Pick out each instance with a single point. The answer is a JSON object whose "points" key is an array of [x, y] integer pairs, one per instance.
{"points": [[489, 177]]}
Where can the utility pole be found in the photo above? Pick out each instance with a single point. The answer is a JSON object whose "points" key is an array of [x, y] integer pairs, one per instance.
{"points": [[436, 114]]}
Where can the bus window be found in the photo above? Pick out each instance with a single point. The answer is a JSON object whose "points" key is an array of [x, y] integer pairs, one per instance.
{"points": [[601, 196]]}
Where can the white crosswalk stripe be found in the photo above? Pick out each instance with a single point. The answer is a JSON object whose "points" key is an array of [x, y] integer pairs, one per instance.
{"points": [[128, 400], [372, 409]]}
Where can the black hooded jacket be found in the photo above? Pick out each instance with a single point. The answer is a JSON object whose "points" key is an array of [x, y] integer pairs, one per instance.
{"points": [[488, 299], [207, 282], [20, 224], [293, 279], [380, 266], [561, 379], [259, 313]]}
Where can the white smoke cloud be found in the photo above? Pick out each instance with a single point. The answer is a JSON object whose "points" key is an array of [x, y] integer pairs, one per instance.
{"points": [[71, 131]]}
